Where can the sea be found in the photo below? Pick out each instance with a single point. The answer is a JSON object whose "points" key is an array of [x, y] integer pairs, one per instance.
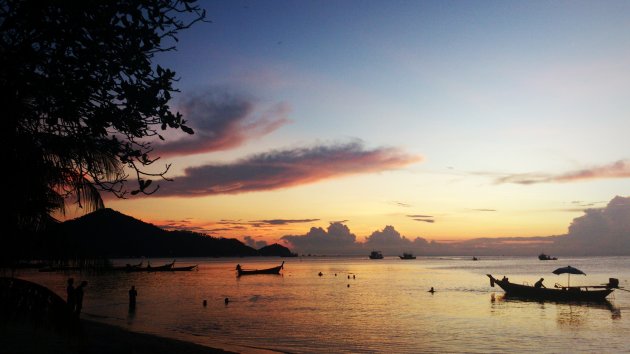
{"points": [[360, 305]]}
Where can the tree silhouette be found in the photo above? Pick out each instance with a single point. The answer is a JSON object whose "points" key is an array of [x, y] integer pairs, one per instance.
{"points": [[82, 99]]}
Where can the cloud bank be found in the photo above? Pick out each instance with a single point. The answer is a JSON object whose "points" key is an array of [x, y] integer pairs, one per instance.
{"points": [[604, 231], [619, 169], [285, 168], [223, 121]]}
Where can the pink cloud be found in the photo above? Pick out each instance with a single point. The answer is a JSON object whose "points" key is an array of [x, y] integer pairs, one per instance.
{"points": [[619, 169], [223, 121], [285, 168]]}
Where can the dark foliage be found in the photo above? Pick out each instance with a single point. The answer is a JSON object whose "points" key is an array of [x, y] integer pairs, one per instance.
{"points": [[82, 99]]}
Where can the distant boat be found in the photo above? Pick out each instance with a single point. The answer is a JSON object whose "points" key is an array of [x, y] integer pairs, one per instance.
{"points": [[558, 293], [183, 269], [59, 269], [376, 255], [407, 256], [274, 270], [169, 267], [475, 258], [544, 257]]}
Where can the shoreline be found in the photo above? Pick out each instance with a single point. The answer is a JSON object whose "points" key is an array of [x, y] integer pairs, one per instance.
{"points": [[95, 337]]}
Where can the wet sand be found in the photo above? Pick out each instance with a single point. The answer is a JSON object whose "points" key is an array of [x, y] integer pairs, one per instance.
{"points": [[92, 337]]}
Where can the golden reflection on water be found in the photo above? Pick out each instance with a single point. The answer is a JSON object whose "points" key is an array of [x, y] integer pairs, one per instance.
{"points": [[384, 306]]}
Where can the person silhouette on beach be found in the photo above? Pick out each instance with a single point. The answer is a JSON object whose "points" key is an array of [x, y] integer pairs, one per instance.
{"points": [[539, 284], [431, 290], [79, 298], [71, 295], [133, 293]]}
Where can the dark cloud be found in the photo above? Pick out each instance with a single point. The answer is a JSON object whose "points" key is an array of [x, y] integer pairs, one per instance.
{"points": [[600, 231], [401, 204], [422, 218], [337, 239], [285, 168], [340, 221], [284, 221], [251, 242], [391, 241], [619, 169], [425, 220], [223, 121]]}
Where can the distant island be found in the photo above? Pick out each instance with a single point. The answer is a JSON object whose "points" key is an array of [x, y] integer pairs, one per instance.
{"points": [[111, 234]]}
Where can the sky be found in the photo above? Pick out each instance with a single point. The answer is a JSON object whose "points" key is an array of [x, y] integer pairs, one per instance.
{"points": [[445, 120]]}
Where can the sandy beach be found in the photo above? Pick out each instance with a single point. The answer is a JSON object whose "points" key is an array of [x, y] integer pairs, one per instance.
{"points": [[93, 337]]}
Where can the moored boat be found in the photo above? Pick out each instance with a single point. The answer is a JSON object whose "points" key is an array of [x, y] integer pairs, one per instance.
{"points": [[169, 267], [557, 293], [275, 270], [183, 269], [376, 255], [545, 257], [407, 256], [161, 268]]}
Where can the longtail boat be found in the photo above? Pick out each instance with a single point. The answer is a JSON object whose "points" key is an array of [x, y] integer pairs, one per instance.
{"points": [[169, 267], [183, 269], [558, 292], [161, 268], [274, 270]]}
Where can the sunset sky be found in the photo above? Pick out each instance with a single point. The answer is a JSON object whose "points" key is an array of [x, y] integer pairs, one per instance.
{"points": [[447, 120]]}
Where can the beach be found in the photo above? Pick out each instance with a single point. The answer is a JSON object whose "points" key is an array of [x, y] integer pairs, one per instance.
{"points": [[92, 337]]}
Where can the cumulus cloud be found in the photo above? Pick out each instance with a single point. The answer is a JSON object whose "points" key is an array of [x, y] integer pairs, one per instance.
{"points": [[391, 241], [600, 231], [619, 169], [285, 168], [251, 242], [337, 239], [223, 121]]}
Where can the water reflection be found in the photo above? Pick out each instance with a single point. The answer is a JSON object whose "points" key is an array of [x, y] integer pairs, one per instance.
{"points": [[569, 314]]}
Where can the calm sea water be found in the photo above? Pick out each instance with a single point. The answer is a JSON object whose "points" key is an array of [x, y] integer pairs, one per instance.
{"points": [[384, 308]]}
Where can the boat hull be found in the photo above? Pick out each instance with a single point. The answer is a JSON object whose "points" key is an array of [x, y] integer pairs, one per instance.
{"points": [[274, 270], [554, 294]]}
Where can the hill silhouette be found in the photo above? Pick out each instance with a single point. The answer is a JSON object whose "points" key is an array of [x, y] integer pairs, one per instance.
{"points": [[109, 233], [276, 250]]}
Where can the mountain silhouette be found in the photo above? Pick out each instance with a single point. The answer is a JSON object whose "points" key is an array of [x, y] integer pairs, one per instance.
{"points": [[109, 233]]}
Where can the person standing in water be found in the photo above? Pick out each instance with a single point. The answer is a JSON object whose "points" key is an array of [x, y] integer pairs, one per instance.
{"points": [[71, 295], [132, 298], [79, 298]]}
